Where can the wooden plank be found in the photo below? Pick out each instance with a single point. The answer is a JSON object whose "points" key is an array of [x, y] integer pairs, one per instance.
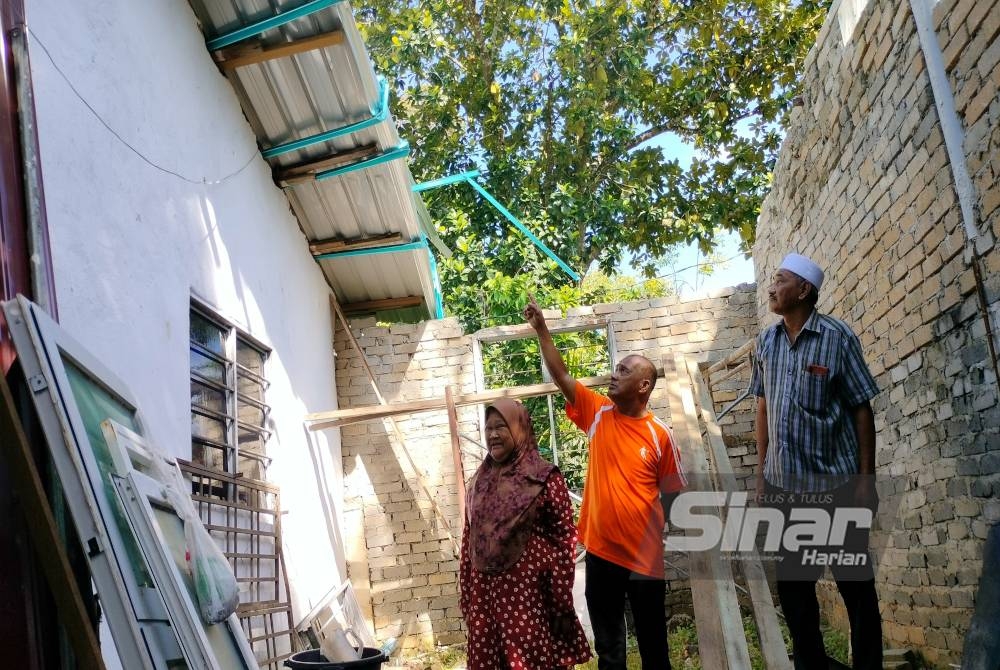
{"points": [[730, 359], [524, 330], [241, 56], [772, 644], [716, 446], [42, 530], [326, 246], [344, 417], [304, 172], [711, 641], [456, 450], [736, 647], [729, 374], [384, 304], [722, 642]]}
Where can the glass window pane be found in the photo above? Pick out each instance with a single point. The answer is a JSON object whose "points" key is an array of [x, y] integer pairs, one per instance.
{"points": [[208, 368], [250, 414], [96, 405], [208, 456], [207, 428], [251, 441], [250, 357], [207, 397], [244, 403], [207, 334], [251, 468], [249, 388]]}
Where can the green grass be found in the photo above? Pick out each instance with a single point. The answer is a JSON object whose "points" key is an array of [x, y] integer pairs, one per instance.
{"points": [[683, 641], [837, 645]]}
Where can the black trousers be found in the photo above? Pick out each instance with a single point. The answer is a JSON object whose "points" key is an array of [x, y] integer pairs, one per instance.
{"points": [[607, 587], [796, 584]]}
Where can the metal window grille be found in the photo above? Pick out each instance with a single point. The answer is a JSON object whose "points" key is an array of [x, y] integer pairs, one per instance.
{"points": [[229, 417], [247, 528], [229, 436]]}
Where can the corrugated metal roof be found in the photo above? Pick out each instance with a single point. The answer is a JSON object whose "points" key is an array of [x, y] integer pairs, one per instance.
{"points": [[297, 96]]}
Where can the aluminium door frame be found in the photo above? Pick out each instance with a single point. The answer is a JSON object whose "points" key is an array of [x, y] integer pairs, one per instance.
{"points": [[139, 492], [144, 630], [31, 332]]}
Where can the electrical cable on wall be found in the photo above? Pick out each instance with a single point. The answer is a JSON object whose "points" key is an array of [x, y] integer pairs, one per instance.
{"points": [[203, 181]]}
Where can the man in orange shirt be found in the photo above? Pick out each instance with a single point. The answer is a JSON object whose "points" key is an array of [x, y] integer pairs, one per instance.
{"points": [[632, 462]]}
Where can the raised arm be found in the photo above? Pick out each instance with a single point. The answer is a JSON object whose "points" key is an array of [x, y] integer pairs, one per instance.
{"points": [[553, 359]]}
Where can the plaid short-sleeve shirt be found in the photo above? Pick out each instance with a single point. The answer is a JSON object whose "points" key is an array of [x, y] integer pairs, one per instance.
{"points": [[810, 388]]}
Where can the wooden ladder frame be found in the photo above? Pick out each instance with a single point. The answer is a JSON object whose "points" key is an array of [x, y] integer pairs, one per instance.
{"points": [[722, 642]]}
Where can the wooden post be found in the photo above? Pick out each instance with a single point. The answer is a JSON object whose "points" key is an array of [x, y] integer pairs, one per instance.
{"points": [[456, 451], [721, 640], [772, 644], [41, 526]]}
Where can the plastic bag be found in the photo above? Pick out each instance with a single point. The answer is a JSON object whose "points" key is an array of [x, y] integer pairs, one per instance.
{"points": [[215, 586]]}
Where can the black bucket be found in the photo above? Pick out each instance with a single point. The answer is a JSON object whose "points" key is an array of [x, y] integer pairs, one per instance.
{"points": [[314, 660]]}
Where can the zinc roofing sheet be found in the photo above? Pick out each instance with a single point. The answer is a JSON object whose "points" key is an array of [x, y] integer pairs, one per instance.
{"points": [[297, 96]]}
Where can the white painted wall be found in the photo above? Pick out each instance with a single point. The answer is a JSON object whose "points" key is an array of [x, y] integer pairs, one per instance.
{"points": [[132, 243]]}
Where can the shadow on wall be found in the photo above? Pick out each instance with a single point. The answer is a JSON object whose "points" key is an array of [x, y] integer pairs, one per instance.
{"points": [[412, 555]]}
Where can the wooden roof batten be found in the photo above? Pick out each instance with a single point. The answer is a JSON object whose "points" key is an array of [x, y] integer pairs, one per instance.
{"points": [[301, 173], [320, 247], [255, 52], [372, 306]]}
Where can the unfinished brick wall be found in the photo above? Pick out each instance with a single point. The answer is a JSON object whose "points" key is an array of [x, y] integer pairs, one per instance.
{"points": [[864, 186], [402, 552], [400, 556]]}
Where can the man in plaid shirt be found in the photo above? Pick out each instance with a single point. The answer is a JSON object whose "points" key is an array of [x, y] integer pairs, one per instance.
{"points": [[816, 443]]}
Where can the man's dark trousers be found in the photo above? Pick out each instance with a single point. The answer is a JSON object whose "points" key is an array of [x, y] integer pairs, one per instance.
{"points": [[608, 584], [796, 587]]}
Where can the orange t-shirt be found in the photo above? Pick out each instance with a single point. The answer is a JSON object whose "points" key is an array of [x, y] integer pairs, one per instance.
{"points": [[631, 462]]}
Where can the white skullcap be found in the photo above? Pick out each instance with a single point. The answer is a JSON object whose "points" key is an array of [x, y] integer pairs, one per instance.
{"points": [[803, 267]]}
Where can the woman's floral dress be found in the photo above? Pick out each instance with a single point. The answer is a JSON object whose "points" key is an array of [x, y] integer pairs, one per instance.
{"points": [[509, 614]]}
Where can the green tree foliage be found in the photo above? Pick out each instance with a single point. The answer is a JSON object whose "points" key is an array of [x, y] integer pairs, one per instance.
{"points": [[556, 100]]}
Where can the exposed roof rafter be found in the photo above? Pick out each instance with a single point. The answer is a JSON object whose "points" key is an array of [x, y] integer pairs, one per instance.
{"points": [[250, 54]]}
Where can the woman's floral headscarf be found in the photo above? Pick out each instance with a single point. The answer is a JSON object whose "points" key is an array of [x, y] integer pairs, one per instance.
{"points": [[502, 496]]}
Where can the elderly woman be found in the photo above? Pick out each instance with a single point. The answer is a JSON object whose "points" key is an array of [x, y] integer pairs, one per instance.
{"points": [[517, 555]]}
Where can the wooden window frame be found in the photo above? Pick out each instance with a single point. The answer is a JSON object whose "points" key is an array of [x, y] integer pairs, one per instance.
{"points": [[524, 331]]}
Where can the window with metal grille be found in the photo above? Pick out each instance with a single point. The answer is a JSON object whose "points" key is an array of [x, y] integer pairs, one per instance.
{"points": [[229, 417]]}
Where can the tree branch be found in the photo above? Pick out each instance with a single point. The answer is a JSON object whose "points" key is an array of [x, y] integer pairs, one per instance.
{"points": [[600, 170]]}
